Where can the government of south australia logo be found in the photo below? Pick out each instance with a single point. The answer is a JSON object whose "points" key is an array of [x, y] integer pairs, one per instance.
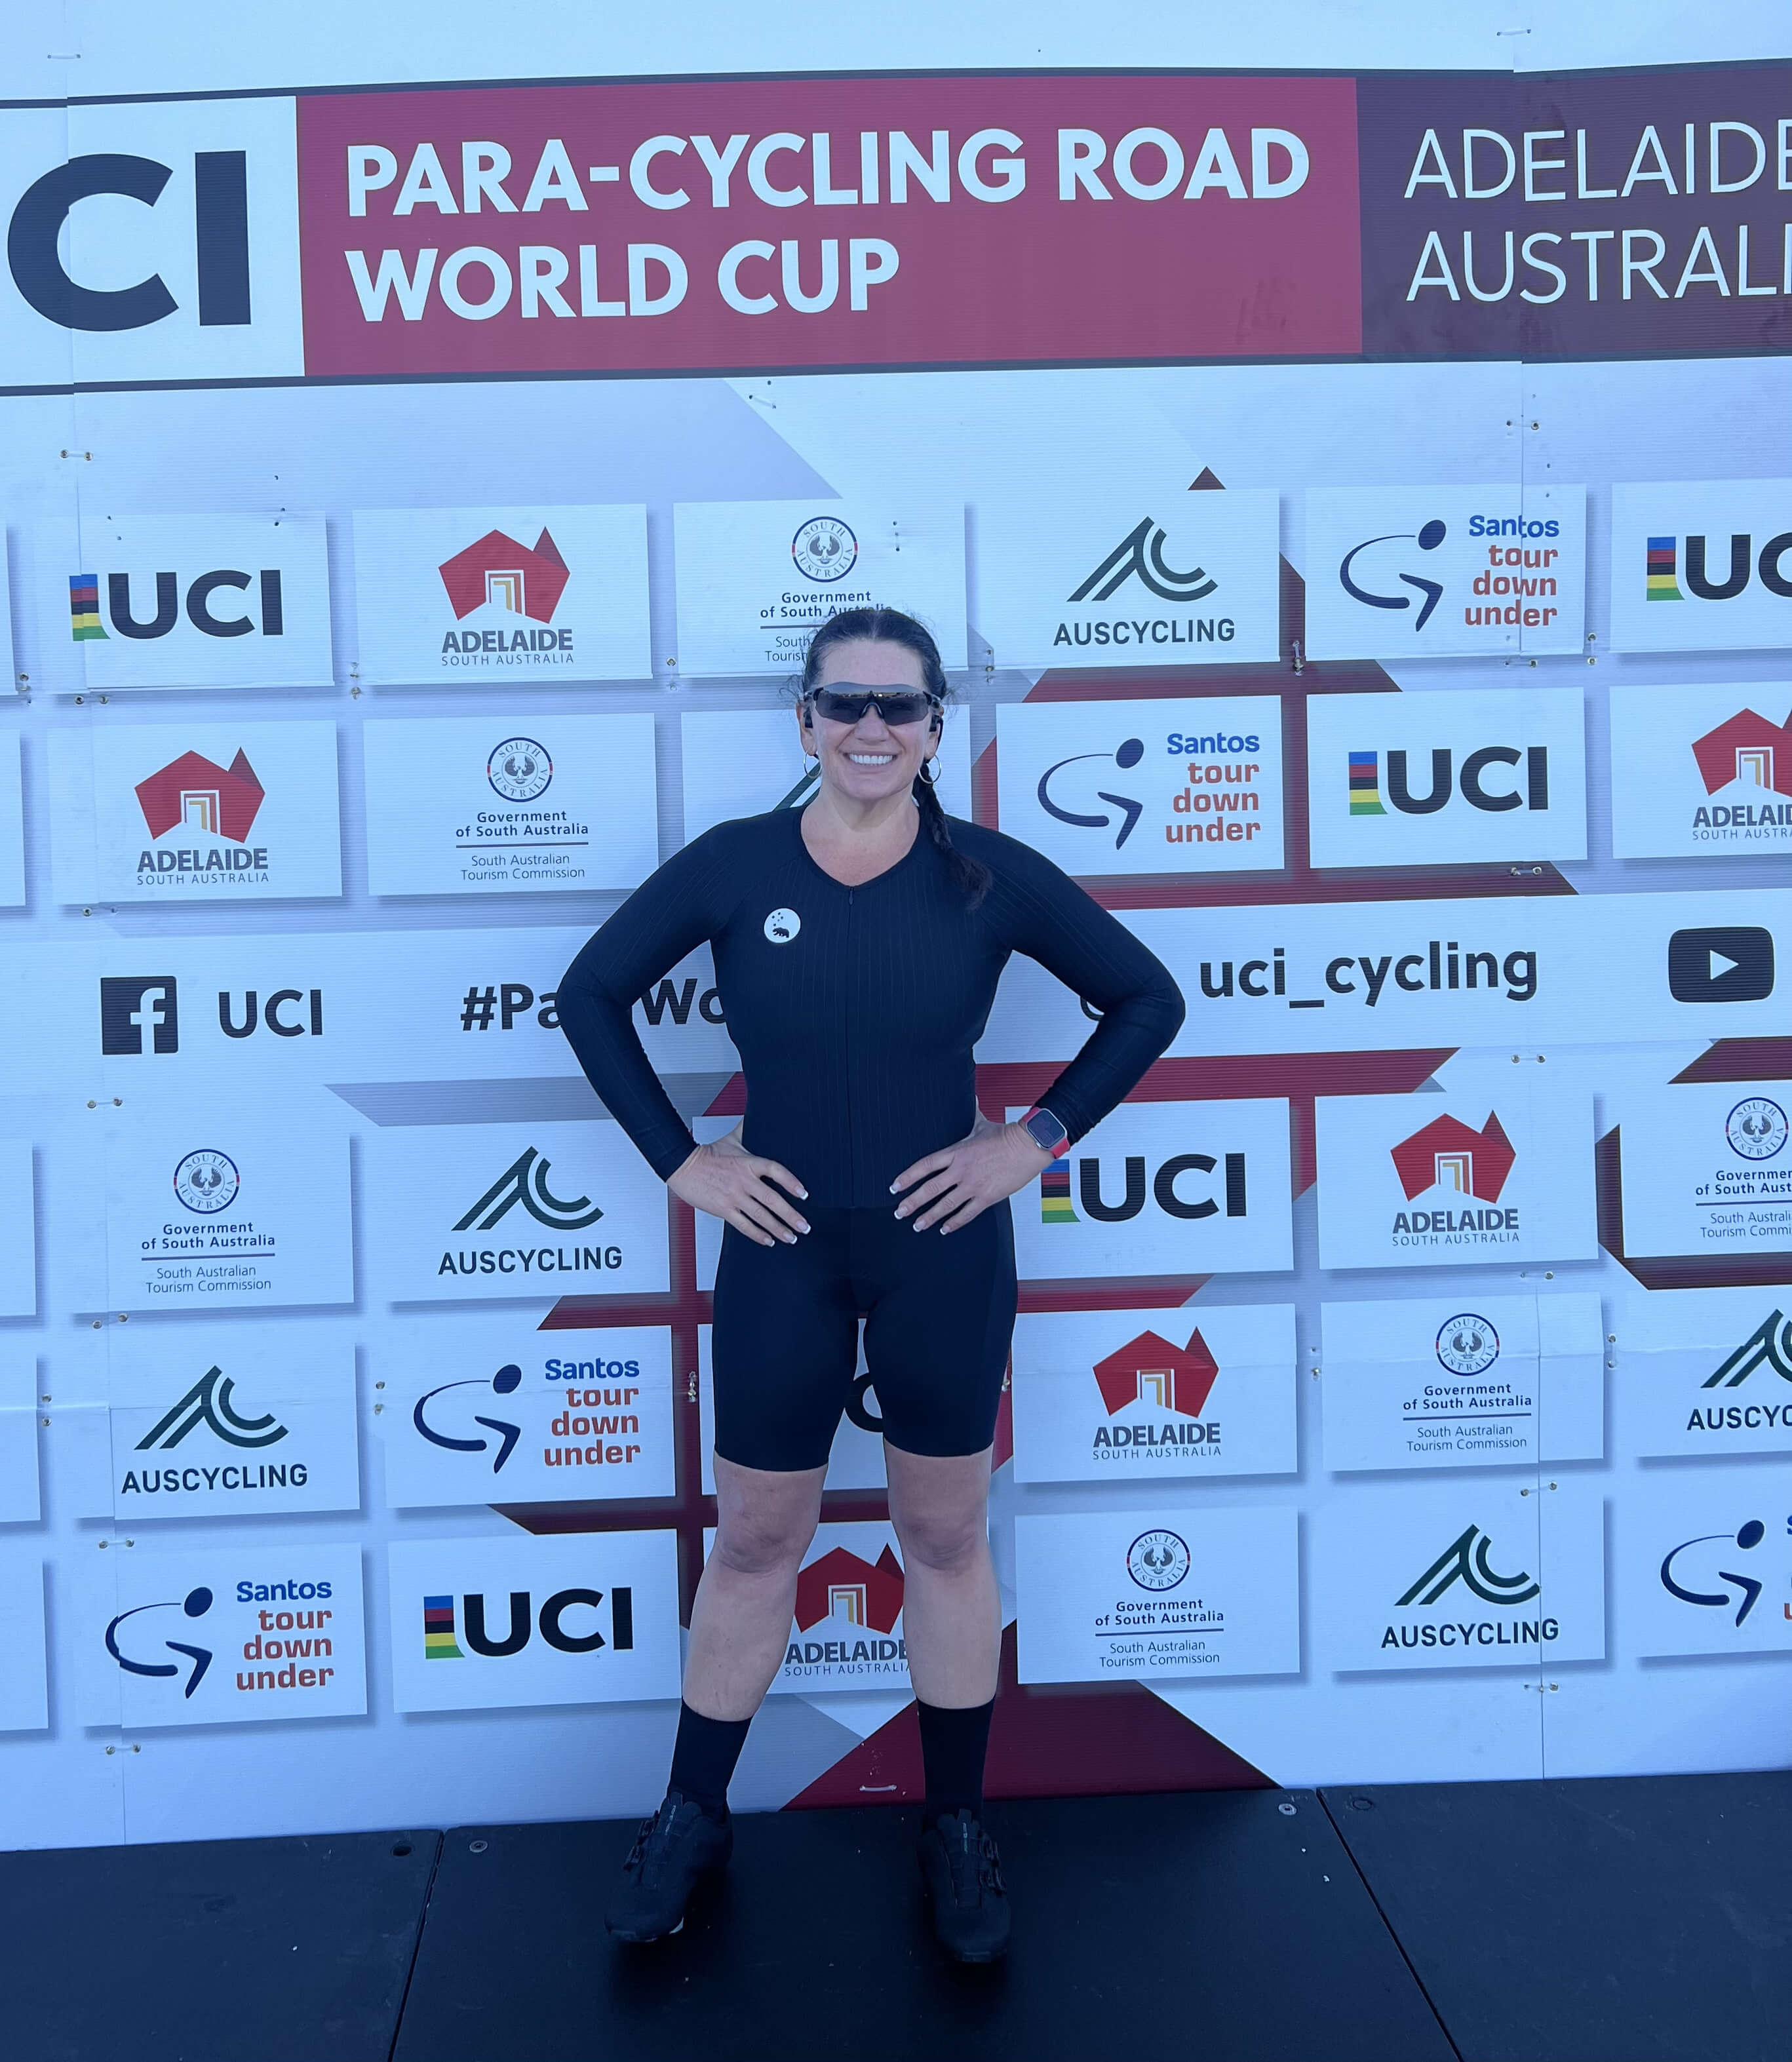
{"points": [[824, 549], [520, 769], [206, 1181], [1140, 555], [1467, 1344], [208, 1402], [1157, 1560], [503, 1383], [1427, 539], [525, 1182], [1768, 1345], [195, 1604], [1756, 1129], [1678, 1577], [1467, 1560]]}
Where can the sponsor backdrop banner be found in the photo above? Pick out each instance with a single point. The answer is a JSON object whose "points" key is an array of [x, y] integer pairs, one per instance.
{"points": [[1342, 503]]}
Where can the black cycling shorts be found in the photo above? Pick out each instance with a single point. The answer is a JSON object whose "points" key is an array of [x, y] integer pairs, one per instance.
{"points": [[939, 1312]]}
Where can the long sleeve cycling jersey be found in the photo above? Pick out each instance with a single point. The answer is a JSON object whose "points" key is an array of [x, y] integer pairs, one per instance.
{"points": [[855, 1010]]}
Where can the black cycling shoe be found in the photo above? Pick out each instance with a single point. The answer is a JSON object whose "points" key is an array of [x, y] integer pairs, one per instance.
{"points": [[674, 1851], [963, 1874]]}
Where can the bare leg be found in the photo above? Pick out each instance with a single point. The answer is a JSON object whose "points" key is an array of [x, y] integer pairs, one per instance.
{"points": [[740, 1621], [951, 1606]]}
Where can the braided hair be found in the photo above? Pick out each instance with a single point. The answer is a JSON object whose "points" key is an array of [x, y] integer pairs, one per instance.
{"points": [[890, 626]]}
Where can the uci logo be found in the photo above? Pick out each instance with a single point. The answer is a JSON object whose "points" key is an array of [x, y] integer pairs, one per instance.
{"points": [[443, 1639], [1057, 1207], [1663, 569], [85, 624]]}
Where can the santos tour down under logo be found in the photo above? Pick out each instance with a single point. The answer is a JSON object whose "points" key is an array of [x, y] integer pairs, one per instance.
{"points": [[503, 1383], [208, 1403], [1447, 1154], [499, 570], [525, 1182]]}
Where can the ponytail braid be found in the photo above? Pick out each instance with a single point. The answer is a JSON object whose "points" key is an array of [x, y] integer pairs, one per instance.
{"points": [[890, 626]]}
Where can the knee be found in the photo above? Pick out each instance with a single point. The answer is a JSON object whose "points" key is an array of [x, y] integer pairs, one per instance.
{"points": [[761, 1542], [948, 1542]]}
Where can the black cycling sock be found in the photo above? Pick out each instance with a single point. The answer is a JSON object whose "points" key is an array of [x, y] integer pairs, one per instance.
{"points": [[954, 1742], [704, 1757]]}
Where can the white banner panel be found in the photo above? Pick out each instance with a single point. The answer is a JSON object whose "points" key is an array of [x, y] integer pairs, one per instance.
{"points": [[1163, 1187], [588, 1618], [1706, 1168], [1465, 773], [491, 1410], [1705, 1561], [1701, 565], [12, 809], [227, 1210], [19, 1500], [1480, 1574], [200, 601], [846, 1632], [1705, 1371], [756, 579], [231, 1420], [1356, 977], [1148, 575], [18, 1230], [24, 1681], [1128, 1395], [219, 1634], [1701, 772], [1158, 1591], [855, 1460], [1168, 787], [744, 762], [541, 594], [1435, 1180], [1463, 1383], [468, 805], [176, 813], [485, 1210], [1420, 572]]}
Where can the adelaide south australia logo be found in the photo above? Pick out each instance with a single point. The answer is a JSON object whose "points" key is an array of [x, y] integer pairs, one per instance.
{"points": [[1753, 756], [215, 807], [1447, 1156], [1154, 1372], [513, 580], [524, 1185]]}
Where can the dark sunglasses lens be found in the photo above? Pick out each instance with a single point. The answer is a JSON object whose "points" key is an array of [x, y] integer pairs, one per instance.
{"points": [[896, 708]]}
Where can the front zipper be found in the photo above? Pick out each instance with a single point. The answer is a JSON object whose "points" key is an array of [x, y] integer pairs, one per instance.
{"points": [[846, 1051]]}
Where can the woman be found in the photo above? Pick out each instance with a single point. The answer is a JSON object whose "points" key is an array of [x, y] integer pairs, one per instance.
{"points": [[857, 943]]}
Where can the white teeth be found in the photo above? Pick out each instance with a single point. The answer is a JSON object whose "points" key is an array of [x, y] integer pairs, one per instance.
{"points": [[871, 758]]}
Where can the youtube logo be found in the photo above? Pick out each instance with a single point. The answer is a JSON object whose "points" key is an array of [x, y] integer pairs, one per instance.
{"points": [[1724, 963]]}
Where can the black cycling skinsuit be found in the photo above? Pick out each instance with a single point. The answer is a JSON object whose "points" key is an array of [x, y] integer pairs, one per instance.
{"points": [[855, 1011]]}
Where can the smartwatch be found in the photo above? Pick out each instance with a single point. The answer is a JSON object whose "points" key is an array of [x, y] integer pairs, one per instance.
{"points": [[1045, 1131]]}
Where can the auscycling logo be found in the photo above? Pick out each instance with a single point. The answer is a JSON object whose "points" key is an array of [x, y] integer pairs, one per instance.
{"points": [[525, 1183], [1467, 1561], [1768, 1346], [209, 1403], [1140, 557]]}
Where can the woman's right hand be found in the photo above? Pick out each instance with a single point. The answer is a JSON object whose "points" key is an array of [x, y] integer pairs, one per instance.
{"points": [[742, 1190]]}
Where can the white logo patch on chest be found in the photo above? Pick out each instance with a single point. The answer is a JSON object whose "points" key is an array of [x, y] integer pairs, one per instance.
{"points": [[782, 925]]}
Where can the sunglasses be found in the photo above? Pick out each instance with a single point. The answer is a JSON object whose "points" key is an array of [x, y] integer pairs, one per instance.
{"points": [[848, 705]]}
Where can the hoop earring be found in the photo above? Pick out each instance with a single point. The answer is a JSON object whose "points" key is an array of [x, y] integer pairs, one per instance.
{"points": [[929, 771]]}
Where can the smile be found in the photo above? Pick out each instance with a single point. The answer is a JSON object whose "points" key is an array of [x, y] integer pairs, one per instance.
{"points": [[871, 758]]}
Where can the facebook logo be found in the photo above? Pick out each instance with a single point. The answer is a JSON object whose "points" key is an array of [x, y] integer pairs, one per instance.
{"points": [[130, 1005]]}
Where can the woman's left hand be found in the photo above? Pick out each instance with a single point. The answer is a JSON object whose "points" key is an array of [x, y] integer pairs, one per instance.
{"points": [[951, 1187]]}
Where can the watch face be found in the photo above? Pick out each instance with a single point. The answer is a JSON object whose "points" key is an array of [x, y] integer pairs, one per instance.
{"points": [[1045, 1131]]}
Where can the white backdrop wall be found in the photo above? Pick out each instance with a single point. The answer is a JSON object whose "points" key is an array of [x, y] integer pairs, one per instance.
{"points": [[1398, 1390]]}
